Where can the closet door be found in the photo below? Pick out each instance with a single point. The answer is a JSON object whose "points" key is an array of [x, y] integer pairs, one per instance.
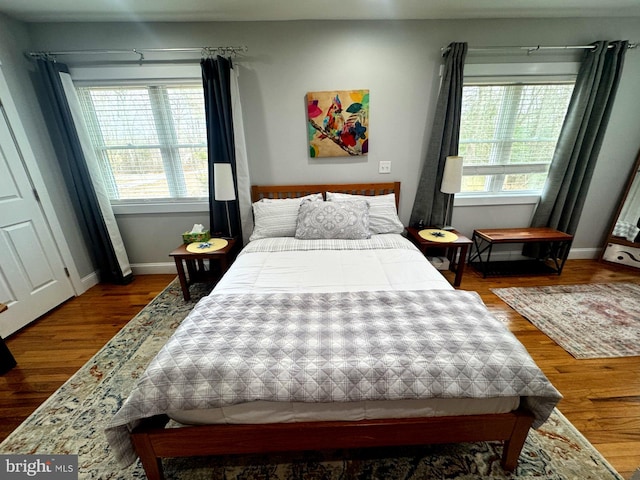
{"points": [[33, 278]]}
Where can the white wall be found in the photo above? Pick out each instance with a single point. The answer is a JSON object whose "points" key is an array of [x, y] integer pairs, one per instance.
{"points": [[399, 63]]}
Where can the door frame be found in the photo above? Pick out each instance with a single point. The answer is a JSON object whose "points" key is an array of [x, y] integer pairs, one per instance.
{"points": [[33, 172]]}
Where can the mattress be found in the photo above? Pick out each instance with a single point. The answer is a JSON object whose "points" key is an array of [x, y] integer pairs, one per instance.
{"points": [[386, 262]]}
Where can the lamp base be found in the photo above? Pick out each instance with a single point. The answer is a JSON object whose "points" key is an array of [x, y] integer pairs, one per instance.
{"points": [[228, 219], [445, 227]]}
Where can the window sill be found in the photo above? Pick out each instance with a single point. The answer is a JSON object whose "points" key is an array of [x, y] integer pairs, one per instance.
{"points": [[160, 207], [487, 200]]}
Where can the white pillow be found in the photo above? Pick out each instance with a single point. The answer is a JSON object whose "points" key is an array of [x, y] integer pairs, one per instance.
{"points": [[312, 196], [383, 215], [275, 217]]}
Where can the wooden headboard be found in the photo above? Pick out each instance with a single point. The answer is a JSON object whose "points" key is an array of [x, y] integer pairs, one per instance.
{"points": [[293, 191]]}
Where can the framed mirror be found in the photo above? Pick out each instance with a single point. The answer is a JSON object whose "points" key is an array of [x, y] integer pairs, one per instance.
{"points": [[623, 242]]}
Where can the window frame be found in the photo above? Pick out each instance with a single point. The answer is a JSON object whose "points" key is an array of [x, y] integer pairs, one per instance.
{"points": [[143, 75], [511, 73]]}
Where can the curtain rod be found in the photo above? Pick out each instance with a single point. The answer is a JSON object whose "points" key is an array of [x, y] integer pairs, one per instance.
{"points": [[204, 51], [535, 48]]}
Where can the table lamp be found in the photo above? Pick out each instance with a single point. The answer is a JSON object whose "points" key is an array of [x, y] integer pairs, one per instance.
{"points": [[451, 184], [224, 187]]}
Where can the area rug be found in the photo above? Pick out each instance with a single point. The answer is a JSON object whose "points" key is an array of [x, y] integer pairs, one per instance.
{"points": [[588, 321], [72, 421]]}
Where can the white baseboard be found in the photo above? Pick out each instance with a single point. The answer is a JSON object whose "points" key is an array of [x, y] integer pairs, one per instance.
{"points": [[93, 279], [89, 281], [584, 253], [574, 254], [170, 267], [154, 268]]}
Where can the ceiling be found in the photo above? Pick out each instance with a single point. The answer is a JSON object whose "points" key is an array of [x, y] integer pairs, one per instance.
{"points": [[267, 10]]}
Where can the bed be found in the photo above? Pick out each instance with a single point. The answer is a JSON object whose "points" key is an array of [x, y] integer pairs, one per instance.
{"points": [[357, 301]]}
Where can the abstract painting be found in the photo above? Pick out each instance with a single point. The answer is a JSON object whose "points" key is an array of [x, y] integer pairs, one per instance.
{"points": [[338, 123]]}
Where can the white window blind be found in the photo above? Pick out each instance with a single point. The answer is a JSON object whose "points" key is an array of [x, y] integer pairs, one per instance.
{"points": [[150, 140], [508, 134]]}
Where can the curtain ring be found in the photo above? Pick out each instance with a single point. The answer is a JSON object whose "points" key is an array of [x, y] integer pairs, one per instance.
{"points": [[532, 50], [138, 53]]}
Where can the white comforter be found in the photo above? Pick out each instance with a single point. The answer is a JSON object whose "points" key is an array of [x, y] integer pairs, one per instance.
{"points": [[385, 262]]}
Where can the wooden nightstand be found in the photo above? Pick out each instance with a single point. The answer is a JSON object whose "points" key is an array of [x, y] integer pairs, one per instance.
{"points": [[456, 262], [195, 264]]}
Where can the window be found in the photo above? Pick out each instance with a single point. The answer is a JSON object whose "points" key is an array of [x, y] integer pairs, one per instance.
{"points": [[150, 140], [508, 134]]}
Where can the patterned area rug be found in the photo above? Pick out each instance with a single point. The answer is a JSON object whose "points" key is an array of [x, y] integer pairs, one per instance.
{"points": [[588, 321], [72, 421]]}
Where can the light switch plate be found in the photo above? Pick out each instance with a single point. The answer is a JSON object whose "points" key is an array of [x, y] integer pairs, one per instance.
{"points": [[384, 166]]}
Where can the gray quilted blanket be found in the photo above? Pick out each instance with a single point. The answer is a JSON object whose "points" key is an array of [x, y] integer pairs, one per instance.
{"points": [[333, 347]]}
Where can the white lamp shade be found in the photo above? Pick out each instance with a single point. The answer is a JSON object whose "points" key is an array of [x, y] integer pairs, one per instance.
{"points": [[223, 182], [452, 176]]}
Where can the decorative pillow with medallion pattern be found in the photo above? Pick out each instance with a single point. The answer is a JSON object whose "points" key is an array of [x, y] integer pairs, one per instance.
{"points": [[348, 220]]}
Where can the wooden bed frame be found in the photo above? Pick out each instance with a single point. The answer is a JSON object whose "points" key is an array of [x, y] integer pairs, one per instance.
{"points": [[153, 442], [259, 192]]}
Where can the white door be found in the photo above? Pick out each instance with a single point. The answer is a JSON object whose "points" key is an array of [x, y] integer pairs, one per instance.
{"points": [[33, 279]]}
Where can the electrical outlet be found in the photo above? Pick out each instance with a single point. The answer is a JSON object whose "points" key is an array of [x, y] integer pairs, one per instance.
{"points": [[384, 166]]}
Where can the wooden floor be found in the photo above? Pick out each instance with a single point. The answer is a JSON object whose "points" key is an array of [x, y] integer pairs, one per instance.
{"points": [[601, 397]]}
